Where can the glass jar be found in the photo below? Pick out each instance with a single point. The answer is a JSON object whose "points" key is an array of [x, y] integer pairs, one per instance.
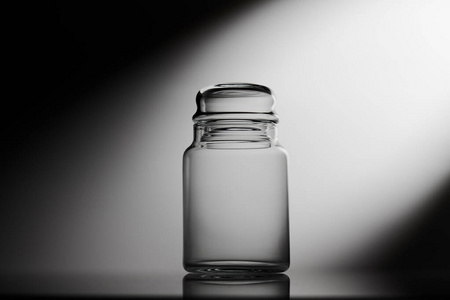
{"points": [[235, 190]]}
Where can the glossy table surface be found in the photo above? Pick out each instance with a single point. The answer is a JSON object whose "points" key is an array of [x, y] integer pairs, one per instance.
{"points": [[189, 285]]}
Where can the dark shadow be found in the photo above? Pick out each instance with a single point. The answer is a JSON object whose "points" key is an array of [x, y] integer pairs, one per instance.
{"points": [[419, 261], [57, 52], [241, 286], [58, 55]]}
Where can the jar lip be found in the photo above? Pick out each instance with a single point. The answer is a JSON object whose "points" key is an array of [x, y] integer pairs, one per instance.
{"points": [[244, 86], [236, 101]]}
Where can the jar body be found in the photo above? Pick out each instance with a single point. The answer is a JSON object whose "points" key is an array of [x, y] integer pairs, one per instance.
{"points": [[235, 199]]}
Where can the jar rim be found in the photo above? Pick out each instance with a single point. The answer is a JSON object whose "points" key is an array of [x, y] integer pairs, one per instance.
{"points": [[236, 100], [236, 85]]}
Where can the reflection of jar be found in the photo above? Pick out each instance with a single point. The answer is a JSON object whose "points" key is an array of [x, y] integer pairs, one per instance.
{"points": [[201, 286], [235, 183]]}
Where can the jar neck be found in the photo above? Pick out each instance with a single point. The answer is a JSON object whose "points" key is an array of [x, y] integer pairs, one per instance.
{"points": [[234, 134]]}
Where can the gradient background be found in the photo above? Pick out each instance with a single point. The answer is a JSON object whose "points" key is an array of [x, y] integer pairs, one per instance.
{"points": [[97, 113]]}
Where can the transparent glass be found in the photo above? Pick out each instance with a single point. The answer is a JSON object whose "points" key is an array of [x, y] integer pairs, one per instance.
{"points": [[235, 191]]}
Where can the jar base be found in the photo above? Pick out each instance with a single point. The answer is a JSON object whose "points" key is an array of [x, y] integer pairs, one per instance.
{"points": [[224, 266]]}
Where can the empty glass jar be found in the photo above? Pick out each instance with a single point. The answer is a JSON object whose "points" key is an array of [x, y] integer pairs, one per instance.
{"points": [[235, 191]]}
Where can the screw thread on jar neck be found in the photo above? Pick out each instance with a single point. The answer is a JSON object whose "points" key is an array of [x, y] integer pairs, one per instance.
{"points": [[235, 134]]}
